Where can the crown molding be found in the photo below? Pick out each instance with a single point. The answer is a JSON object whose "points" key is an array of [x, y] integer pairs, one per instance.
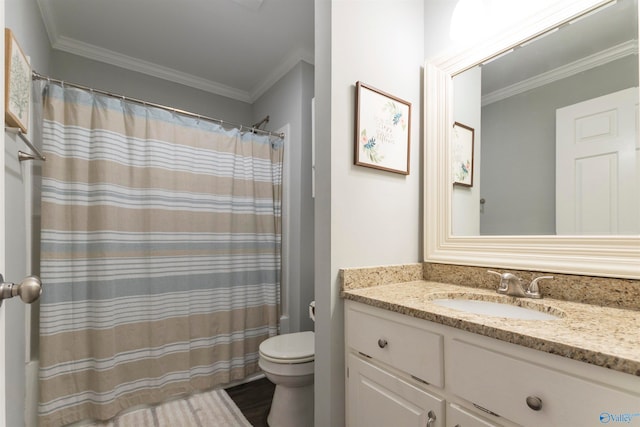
{"points": [[47, 18], [97, 53], [149, 68], [600, 58], [279, 72]]}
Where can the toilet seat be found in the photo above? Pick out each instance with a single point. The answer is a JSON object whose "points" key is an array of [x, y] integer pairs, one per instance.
{"points": [[292, 348]]}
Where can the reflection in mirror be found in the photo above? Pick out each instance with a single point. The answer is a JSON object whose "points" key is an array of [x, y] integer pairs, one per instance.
{"points": [[556, 140]]}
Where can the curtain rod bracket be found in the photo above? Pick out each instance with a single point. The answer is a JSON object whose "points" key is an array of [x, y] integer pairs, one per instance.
{"points": [[22, 156], [256, 126], [36, 153]]}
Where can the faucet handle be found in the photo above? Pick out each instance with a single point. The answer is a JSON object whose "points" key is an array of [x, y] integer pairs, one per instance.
{"points": [[533, 291], [503, 286], [505, 279], [505, 276]]}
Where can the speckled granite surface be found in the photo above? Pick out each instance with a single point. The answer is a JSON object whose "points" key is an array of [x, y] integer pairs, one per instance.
{"points": [[600, 335], [604, 291], [354, 278]]}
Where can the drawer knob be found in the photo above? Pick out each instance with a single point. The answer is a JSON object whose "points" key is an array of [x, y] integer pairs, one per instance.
{"points": [[382, 343], [534, 403]]}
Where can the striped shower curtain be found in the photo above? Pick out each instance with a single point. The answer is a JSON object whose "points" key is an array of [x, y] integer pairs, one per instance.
{"points": [[160, 254]]}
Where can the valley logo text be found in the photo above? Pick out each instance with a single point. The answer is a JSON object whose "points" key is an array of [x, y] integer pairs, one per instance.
{"points": [[607, 417]]}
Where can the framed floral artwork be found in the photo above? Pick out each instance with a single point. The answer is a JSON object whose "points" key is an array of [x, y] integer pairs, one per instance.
{"points": [[462, 154], [17, 74], [383, 124]]}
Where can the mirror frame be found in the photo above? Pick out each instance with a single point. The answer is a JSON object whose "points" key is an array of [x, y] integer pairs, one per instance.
{"points": [[607, 256]]}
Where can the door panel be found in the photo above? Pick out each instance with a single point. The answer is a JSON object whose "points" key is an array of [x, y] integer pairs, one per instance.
{"points": [[3, 380], [13, 265], [15, 270], [597, 160]]}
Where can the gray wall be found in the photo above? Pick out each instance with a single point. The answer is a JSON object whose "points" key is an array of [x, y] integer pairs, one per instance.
{"points": [[518, 148], [23, 17], [289, 102], [99, 75]]}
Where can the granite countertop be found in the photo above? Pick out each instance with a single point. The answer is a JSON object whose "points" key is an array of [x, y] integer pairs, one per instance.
{"points": [[603, 336]]}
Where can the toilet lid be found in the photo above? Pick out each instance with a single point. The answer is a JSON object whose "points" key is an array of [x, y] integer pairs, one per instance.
{"points": [[289, 348]]}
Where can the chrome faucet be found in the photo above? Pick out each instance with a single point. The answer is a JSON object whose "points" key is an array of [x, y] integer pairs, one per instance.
{"points": [[511, 285]]}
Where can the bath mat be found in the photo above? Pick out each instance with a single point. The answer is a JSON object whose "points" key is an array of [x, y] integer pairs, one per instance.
{"points": [[212, 408]]}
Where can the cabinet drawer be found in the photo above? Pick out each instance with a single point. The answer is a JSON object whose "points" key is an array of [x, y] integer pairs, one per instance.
{"points": [[413, 350], [502, 384]]}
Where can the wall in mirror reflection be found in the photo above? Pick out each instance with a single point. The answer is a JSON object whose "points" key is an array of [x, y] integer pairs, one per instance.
{"points": [[515, 160]]}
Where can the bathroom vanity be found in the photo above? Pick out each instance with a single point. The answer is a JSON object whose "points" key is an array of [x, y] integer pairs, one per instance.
{"points": [[412, 362]]}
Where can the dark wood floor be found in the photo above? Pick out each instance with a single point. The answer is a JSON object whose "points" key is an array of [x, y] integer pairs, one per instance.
{"points": [[254, 400]]}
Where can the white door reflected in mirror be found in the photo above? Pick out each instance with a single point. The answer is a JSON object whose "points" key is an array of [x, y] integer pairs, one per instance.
{"points": [[597, 166]]}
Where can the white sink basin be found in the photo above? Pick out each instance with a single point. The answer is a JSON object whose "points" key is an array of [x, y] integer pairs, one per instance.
{"points": [[496, 309]]}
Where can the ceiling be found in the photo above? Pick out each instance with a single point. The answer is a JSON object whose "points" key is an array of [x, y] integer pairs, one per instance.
{"points": [[233, 48], [608, 34], [240, 48]]}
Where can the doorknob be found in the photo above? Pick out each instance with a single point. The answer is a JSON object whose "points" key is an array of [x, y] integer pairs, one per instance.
{"points": [[29, 289]]}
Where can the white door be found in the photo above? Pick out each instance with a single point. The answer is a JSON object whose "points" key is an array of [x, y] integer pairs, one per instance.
{"points": [[3, 386], [16, 326], [597, 160], [13, 266]]}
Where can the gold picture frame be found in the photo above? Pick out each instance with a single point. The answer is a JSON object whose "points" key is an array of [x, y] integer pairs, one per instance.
{"points": [[17, 85]]}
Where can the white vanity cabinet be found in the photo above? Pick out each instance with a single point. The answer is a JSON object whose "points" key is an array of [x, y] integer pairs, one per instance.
{"points": [[390, 364], [401, 370]]}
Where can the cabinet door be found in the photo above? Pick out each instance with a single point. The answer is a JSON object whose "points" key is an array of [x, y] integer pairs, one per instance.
{"points": [[377, 398]]}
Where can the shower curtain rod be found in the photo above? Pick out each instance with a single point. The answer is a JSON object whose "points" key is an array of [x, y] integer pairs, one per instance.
{"points": [[38, 76]]}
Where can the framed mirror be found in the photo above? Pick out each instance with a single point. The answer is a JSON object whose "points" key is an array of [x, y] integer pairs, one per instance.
{"points": [[515, 213]]}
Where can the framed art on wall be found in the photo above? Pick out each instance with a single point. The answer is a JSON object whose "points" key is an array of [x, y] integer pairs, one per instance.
{"points": [[17, 74], [462, 154], [383, 124]]}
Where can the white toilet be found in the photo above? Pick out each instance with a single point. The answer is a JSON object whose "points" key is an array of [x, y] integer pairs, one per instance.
{"points": [[288, 361]]}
